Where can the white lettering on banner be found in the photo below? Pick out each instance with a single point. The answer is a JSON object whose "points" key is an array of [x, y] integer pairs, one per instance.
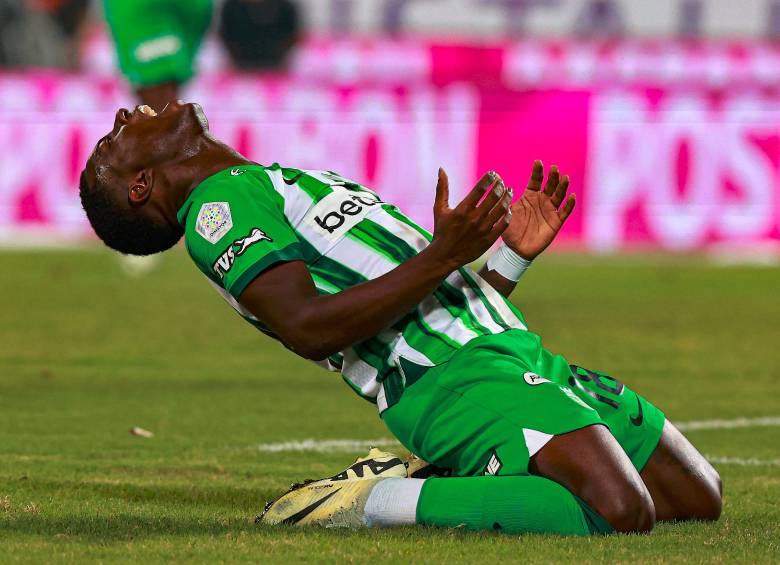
{"points": [[392, 141], [693, 172]]}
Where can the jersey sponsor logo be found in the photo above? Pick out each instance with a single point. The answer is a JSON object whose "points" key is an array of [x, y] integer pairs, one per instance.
{"points": [[533, 379], [340, 211], [214, 221], [494, 466], [237, 249]]}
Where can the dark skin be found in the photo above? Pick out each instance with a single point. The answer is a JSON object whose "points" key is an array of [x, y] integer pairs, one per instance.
{"points": [[154, 162], [159, 95]]}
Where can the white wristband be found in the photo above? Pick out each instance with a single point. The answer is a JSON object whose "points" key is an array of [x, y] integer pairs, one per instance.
{"points": [[507, 263]]}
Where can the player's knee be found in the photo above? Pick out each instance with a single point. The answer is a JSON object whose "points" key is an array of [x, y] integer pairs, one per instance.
{"points": [[710, 502], [630, 512]]}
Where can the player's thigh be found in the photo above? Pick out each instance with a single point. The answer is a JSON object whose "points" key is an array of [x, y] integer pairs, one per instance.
{"points": [[636, 423], [594, 467], [684, 485], [485, 416], [152, 50]]}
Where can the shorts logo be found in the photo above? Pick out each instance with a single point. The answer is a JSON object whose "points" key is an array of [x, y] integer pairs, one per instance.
{"points": [[214, 221], [494, 466], [533, 379], [640, 417], [237, 249], [340, 211]]}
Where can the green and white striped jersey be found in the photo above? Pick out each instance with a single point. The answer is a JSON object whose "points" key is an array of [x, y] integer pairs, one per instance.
{"points": [[242, 221]]}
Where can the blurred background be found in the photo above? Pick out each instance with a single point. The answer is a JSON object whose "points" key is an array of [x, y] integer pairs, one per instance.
{"points": [[664, 113]]}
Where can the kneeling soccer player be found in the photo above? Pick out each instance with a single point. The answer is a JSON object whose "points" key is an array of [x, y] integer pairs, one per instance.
{"points": [[320, 263]]}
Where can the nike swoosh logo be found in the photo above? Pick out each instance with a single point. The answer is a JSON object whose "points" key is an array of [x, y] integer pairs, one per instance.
{"points": [[639, 418], [236, 172], [293, 180], [300, 515]]}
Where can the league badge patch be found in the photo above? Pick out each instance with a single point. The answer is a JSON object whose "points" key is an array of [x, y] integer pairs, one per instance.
{"points": [[214, 221]]}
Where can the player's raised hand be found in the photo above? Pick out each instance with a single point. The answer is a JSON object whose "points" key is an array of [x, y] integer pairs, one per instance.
{"points": [[465, 232], [538, 215]]}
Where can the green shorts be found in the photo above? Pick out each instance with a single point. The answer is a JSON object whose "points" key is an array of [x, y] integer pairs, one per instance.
{"points": [[501, 398], [157, 40]]}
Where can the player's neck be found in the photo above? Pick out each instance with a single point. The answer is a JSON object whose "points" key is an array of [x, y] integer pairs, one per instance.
{"points": [[204, 160]]}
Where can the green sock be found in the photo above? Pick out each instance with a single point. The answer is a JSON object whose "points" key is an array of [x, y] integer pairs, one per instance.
{"points": [[512, 505]]}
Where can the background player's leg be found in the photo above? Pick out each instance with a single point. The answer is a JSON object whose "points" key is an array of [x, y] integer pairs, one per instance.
{"points": [[591, 464], [683, 484]]}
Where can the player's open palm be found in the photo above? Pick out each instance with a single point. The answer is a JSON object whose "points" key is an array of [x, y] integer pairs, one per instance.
{"points": [[467, 231], [538, 216]]}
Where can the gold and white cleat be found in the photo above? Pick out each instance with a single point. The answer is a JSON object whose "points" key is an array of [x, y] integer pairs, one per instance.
{"points": [[336, 501], [332, 504]]}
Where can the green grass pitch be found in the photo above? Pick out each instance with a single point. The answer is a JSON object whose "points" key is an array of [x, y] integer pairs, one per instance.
{"points": [[87, 352]]}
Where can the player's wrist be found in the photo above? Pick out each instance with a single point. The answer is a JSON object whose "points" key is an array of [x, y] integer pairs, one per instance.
{"points": [[441, 259], [508, 263]]}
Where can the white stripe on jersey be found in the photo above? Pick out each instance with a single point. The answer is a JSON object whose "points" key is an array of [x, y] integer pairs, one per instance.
{"points": [[475, 305], [296, 201], [360, 374], [402, 349], [232, 301], [496, 300], [372, 264]]}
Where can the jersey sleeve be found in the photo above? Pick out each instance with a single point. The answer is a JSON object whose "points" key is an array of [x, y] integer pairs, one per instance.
{"points": [[238, 230]]}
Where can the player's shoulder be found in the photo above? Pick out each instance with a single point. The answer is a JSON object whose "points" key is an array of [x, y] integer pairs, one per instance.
{"points": [[223, 203]]}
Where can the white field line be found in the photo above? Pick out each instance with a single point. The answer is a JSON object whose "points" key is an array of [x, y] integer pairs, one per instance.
{"points": [[326, 445], [351, 445], [743, 462], [770, 421]]}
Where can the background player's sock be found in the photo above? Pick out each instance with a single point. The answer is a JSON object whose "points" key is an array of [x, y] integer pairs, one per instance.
{"points": [[508, 504]]}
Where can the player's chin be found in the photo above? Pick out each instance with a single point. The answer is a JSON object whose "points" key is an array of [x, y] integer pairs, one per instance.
{"points": [[199, 115]]}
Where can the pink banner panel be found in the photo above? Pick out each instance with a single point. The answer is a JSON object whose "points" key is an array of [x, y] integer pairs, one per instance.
{"points": [[668, 146]]}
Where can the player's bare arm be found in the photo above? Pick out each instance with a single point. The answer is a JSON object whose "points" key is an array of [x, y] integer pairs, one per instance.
{"points": [[537, 218], [314, 326]]}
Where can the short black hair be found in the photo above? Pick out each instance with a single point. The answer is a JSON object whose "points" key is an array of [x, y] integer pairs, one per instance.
{"points": [[120, 226]]}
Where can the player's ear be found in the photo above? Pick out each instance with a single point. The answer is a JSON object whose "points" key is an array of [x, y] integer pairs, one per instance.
{"points": [[141, 187]]}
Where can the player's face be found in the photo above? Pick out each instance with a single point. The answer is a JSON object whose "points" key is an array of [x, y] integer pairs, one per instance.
{"points": [[142, 138]]}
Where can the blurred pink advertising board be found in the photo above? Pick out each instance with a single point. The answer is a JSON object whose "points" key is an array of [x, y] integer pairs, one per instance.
{"points": [[674, 146]]}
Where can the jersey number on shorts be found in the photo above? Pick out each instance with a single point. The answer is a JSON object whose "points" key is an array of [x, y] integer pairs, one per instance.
{"points": [[601, 382]]}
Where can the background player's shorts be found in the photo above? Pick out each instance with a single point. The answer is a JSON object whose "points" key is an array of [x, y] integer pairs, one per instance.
{"points": [[157, 40], [501, 398]]}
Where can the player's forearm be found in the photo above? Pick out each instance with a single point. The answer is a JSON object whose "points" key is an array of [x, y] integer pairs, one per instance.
{"points": [[329, 324], [503, 285]]}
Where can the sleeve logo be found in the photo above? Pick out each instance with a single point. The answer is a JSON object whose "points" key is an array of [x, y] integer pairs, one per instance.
{"points": [[214, 221], [240, 246]]}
